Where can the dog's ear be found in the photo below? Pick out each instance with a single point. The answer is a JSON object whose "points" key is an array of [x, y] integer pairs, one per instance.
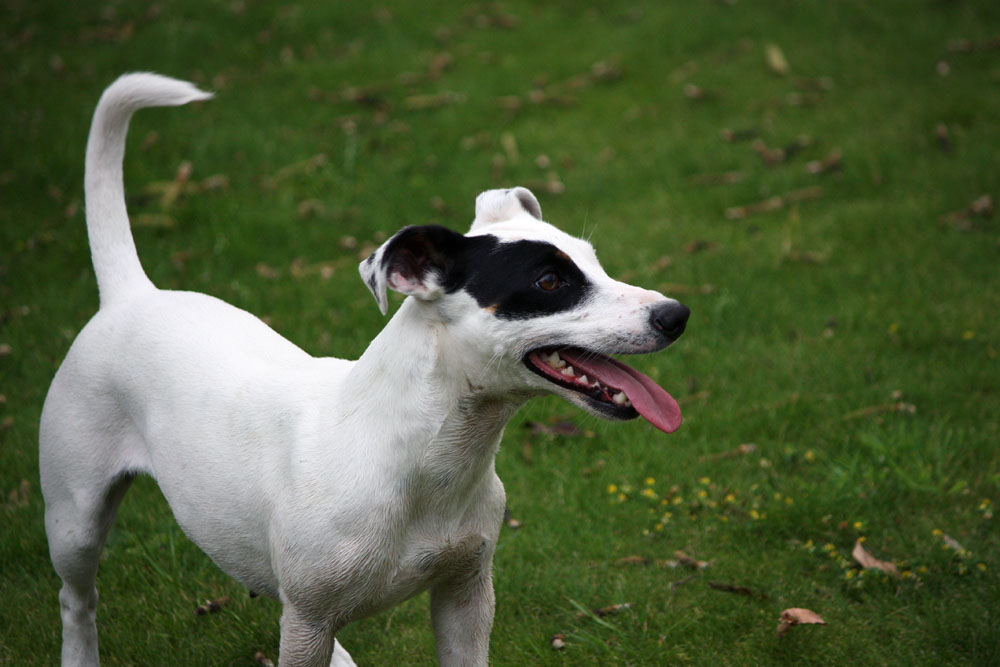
{"points": [[500, 205], [417, 260]]}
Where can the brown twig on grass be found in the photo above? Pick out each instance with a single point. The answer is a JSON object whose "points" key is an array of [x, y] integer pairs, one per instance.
{"points": [[773, 204], [981, 207], [898, 406]]}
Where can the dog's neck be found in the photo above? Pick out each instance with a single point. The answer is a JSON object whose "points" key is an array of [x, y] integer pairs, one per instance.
{"points": [[417, 393]]}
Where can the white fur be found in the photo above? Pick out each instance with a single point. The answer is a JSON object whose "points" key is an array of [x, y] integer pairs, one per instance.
{"points": [[339, 487]]}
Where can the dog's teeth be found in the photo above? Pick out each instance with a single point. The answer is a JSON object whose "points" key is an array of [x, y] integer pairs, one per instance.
{"points": [[583, 379], [554, 360], [619, 398], [568, 371]]}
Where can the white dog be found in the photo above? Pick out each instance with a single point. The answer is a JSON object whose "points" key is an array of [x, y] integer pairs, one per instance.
{"points": [[338, 487]]}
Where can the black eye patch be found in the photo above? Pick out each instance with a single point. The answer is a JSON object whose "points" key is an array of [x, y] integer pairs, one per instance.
{"points": [[504, 276]]}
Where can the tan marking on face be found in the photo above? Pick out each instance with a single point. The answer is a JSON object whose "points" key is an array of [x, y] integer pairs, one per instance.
{"points": [[560, 253], [492, 309]]}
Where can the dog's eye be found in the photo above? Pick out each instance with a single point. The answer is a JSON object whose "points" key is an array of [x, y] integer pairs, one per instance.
{"points": [[548, 281]]}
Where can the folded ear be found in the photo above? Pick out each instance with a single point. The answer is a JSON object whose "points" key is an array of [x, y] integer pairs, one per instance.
{"points": [[417, 261], [500, 205]]}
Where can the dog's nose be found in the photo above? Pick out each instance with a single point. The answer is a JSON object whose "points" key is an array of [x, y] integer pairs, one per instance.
{"points": [[670, 318]]}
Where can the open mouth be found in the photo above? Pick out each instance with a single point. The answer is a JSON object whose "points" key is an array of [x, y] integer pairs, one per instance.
{"points": [[610, 387]]}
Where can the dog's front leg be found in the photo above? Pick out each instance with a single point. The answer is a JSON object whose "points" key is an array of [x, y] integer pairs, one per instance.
{"points": [[305, 642], [462, 613]]}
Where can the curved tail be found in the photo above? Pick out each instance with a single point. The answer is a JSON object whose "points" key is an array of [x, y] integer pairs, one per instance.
{"points": [[116, 262]]}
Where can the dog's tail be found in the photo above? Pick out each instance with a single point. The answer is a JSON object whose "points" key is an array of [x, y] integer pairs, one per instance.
{"points": [[111, 246]]}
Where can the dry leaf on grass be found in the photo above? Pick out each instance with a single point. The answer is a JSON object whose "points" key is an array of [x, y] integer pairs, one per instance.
{"points": [[433, 101], [674, 585], [558, 641], [266, 271], [262, 660], [869, 562], [742, 450], [153, 220], [830, 163], [952, 543], [699, 245], [601, 612], [560, 427], [736, 589], [509, 520], [943, 139], [773, 204], [735, 136], [211, 606], [776, 59], [798, 616], [898, 406], [981, 207], [19, 497], [684, 560], [306, 166]]}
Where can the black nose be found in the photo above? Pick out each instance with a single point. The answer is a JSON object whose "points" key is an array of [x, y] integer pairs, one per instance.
{"points": [[670, 318]]}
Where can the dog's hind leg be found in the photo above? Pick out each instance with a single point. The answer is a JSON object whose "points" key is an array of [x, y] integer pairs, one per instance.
{"points": [[77, 523], [84, 478]]}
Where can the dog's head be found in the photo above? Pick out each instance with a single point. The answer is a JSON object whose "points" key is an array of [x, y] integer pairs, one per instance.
{"points": [[529, 307]]}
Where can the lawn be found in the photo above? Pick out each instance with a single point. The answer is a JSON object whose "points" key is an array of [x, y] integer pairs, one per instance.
{"points": [[816, 180]]}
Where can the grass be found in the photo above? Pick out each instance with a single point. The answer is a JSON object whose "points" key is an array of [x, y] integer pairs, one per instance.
{"points": [[812, 323]]}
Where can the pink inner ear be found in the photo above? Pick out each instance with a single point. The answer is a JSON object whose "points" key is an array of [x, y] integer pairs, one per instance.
{"points": [[403, 283]]}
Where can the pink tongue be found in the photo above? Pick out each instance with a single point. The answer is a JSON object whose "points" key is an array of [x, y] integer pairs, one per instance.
{"points": [[649, 399]]}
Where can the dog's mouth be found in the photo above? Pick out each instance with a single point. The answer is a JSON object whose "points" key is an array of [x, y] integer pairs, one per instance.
{"points": [[608, 386]]}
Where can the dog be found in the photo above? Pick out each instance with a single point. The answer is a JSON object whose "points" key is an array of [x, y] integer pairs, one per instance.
{"points": [[338, 487]]}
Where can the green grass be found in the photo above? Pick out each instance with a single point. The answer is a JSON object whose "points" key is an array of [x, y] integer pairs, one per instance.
{"points": [[803, 317]]}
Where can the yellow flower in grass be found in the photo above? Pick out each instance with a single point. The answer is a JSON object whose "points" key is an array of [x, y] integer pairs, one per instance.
{"points": [[650, 481], [858, 525], [704, 481], [936, 533], [810, 455], [648, 493], [612, 488], [981, 567], [730, 498]]}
